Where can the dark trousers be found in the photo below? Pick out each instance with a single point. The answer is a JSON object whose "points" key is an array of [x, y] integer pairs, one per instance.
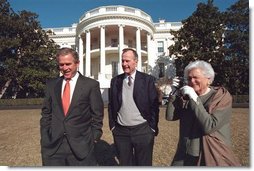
{"points": [[134, 144], [186, 160], [65, 157]]}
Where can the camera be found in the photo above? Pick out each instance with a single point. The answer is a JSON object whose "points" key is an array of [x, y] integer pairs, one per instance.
{"points": [[178, 82]]}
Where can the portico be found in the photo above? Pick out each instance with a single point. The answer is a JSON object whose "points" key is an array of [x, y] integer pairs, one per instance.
{"points": [[102, 33]]}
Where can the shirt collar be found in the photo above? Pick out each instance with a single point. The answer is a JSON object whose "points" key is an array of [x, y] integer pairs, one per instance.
{"points": [[132, 75], [206, 92], [75, 78]]}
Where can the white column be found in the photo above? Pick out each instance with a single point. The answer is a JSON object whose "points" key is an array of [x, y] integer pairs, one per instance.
{"points": [[152, 50], [102, 53], [166, 47], [121, 46], [88, 54], [138, 48], [81, 57], [149, 57]]}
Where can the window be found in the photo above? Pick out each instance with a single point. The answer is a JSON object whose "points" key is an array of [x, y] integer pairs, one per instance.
{"points": [[130, 43], [114, 43], [114, 68], [161, 70], [160, 46], [73, 47]]}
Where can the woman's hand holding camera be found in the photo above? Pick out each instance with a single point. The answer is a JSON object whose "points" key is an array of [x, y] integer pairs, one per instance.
{"points": [[177, 83], [189, 91]]}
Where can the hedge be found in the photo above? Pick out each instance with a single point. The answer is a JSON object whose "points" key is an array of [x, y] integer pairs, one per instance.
{"points": [[38, 101], [240, 98], [21, 102]]}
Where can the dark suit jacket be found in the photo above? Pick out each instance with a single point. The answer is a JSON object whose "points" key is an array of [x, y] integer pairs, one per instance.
{"points": [[145, 97], [83, 123]]}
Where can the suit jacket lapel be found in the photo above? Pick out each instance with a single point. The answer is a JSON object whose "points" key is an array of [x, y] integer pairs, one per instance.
{"points": [[58, 92], [138, 84], [119, 86]]}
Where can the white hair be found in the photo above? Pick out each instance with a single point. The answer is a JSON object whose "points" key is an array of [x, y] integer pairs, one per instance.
{"points": [[204, 66]]}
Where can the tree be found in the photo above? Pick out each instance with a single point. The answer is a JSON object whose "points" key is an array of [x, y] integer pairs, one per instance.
{"points": [[219, 38], [26, 54], [237, 46], [200, 38]]}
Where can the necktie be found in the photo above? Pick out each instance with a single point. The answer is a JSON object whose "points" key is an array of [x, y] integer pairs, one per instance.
{"points": [[66, 97], [129, 81]]}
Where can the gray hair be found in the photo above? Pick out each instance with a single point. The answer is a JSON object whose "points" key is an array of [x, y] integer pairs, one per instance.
{"points": [[206, 68], [133, 51]]}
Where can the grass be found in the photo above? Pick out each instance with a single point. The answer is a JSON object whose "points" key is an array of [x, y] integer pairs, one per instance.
{"points": [[20, 137]]}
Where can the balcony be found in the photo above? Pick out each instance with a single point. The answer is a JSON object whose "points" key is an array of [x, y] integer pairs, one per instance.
{"points": [[123, 10]]}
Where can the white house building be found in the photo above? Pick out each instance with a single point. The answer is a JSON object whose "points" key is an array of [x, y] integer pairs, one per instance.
{"points": [[102, 33]]}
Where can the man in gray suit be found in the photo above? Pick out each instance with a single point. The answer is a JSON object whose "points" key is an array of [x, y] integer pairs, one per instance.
{"points": [[68, 136]]}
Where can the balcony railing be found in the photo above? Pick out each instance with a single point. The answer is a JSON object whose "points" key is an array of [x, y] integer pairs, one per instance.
{"points": [[116, 9], [113, 45]]}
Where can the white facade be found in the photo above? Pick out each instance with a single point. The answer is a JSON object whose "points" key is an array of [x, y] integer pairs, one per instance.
{"points": [[103, 32]]}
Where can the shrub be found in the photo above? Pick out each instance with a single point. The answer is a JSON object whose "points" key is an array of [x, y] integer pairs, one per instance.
{"points": [[21, 102]]}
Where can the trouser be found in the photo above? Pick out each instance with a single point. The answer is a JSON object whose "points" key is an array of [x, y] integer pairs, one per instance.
{"points": [[65, 157], [186, 160], [134, 144]]}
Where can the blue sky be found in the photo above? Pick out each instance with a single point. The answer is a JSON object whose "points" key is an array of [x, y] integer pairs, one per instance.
{"points": [[63, 13]]}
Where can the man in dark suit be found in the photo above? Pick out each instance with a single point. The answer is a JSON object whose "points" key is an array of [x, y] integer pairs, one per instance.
{"points": [[133, 112], [68, 135]]}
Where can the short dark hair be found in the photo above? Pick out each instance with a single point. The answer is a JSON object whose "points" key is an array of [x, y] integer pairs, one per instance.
{"points": [[66, 51], [133, 51]]}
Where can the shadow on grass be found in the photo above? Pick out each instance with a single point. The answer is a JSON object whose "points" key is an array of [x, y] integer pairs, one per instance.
{"points": [[105, 154]]}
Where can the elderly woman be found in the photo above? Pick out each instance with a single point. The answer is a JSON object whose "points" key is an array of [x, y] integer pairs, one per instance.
{"points": [[204, 113]]}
